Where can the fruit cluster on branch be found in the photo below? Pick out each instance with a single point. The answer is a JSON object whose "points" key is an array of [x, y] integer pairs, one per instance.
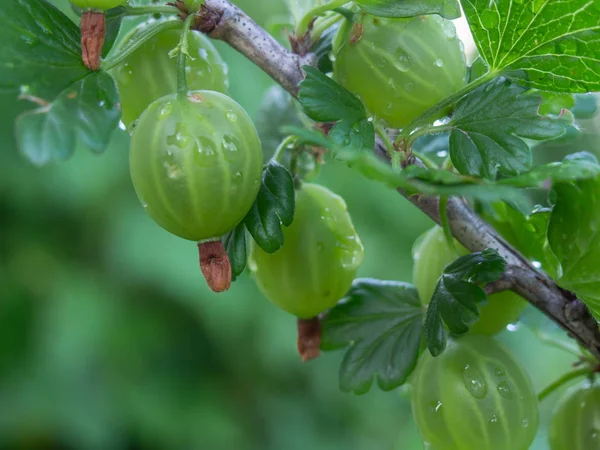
{"points": [[243, 34]]}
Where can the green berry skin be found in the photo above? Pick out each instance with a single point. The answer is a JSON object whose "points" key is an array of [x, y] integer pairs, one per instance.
{"points": [[575, 423], [97, 4], [149, 73], [196, 163], [399, 67], [475, 395], [431, 254], [319, 258]]}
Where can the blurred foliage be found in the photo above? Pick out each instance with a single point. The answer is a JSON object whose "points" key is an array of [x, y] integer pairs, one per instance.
{"points": [[109, 338]]}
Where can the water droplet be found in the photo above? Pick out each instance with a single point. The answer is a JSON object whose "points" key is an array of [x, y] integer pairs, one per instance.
{"points": [[181, 138], [392, 84], [494, 419], [404, 62], [125, 75], [435, 407], [474, 382], [230, 146], [237, 178], [595, 435], [409, 86], [512, 327], [524, 423], [439, 62], [206, 154], [122, 125], [231, 116], [449, 29], [165, 111], [499, 371], [504, 390], [442, 154]]}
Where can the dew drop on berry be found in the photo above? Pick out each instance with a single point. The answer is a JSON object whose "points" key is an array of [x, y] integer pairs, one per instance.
{"points": [[205, 154], [504, 390], [474, 382]]}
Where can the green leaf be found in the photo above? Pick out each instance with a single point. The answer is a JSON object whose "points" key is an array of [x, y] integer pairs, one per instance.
{"points": [[413, 179], [554, 44], [544, 176], [359, 135], [488, 125], [88, 110], [555, 102], [322, 49], [274, 206], [435, 335], [477, 69], [324, 100], [114, 17], [40, 52], [574, 236], [457, 295], [235, 244], [410, 8], [527, 233], [380, 322]]}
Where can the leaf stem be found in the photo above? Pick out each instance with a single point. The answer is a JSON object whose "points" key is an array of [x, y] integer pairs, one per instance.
{"points": [[563, 380], [304, 23], [150, 9], [280, 151], [445, 223], [427, 162], [182, 86], [389, 145], [448, 101], [322, 24], [423, 131]]}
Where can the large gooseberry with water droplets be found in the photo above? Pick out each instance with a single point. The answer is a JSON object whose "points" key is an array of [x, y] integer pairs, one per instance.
{"points": [[319, 258], [431, 253], [150, 73], [399, 67], [97, 4], [196, 163], [475, 395], [575, 423]]}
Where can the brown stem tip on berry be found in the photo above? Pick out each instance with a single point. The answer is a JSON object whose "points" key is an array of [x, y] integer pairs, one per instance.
{"points": [[215, 265], [93, 31], [309, 338]]}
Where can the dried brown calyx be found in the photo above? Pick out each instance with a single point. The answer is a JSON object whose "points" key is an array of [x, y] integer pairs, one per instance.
{"points": [[309, 338], [93, 31], [215, 265]]}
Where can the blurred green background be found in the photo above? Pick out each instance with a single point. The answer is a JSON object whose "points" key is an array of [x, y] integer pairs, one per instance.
{"points": [[110, 339]]}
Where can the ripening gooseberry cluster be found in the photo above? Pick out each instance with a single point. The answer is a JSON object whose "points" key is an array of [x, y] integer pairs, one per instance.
{"points": [[196, 165]]}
